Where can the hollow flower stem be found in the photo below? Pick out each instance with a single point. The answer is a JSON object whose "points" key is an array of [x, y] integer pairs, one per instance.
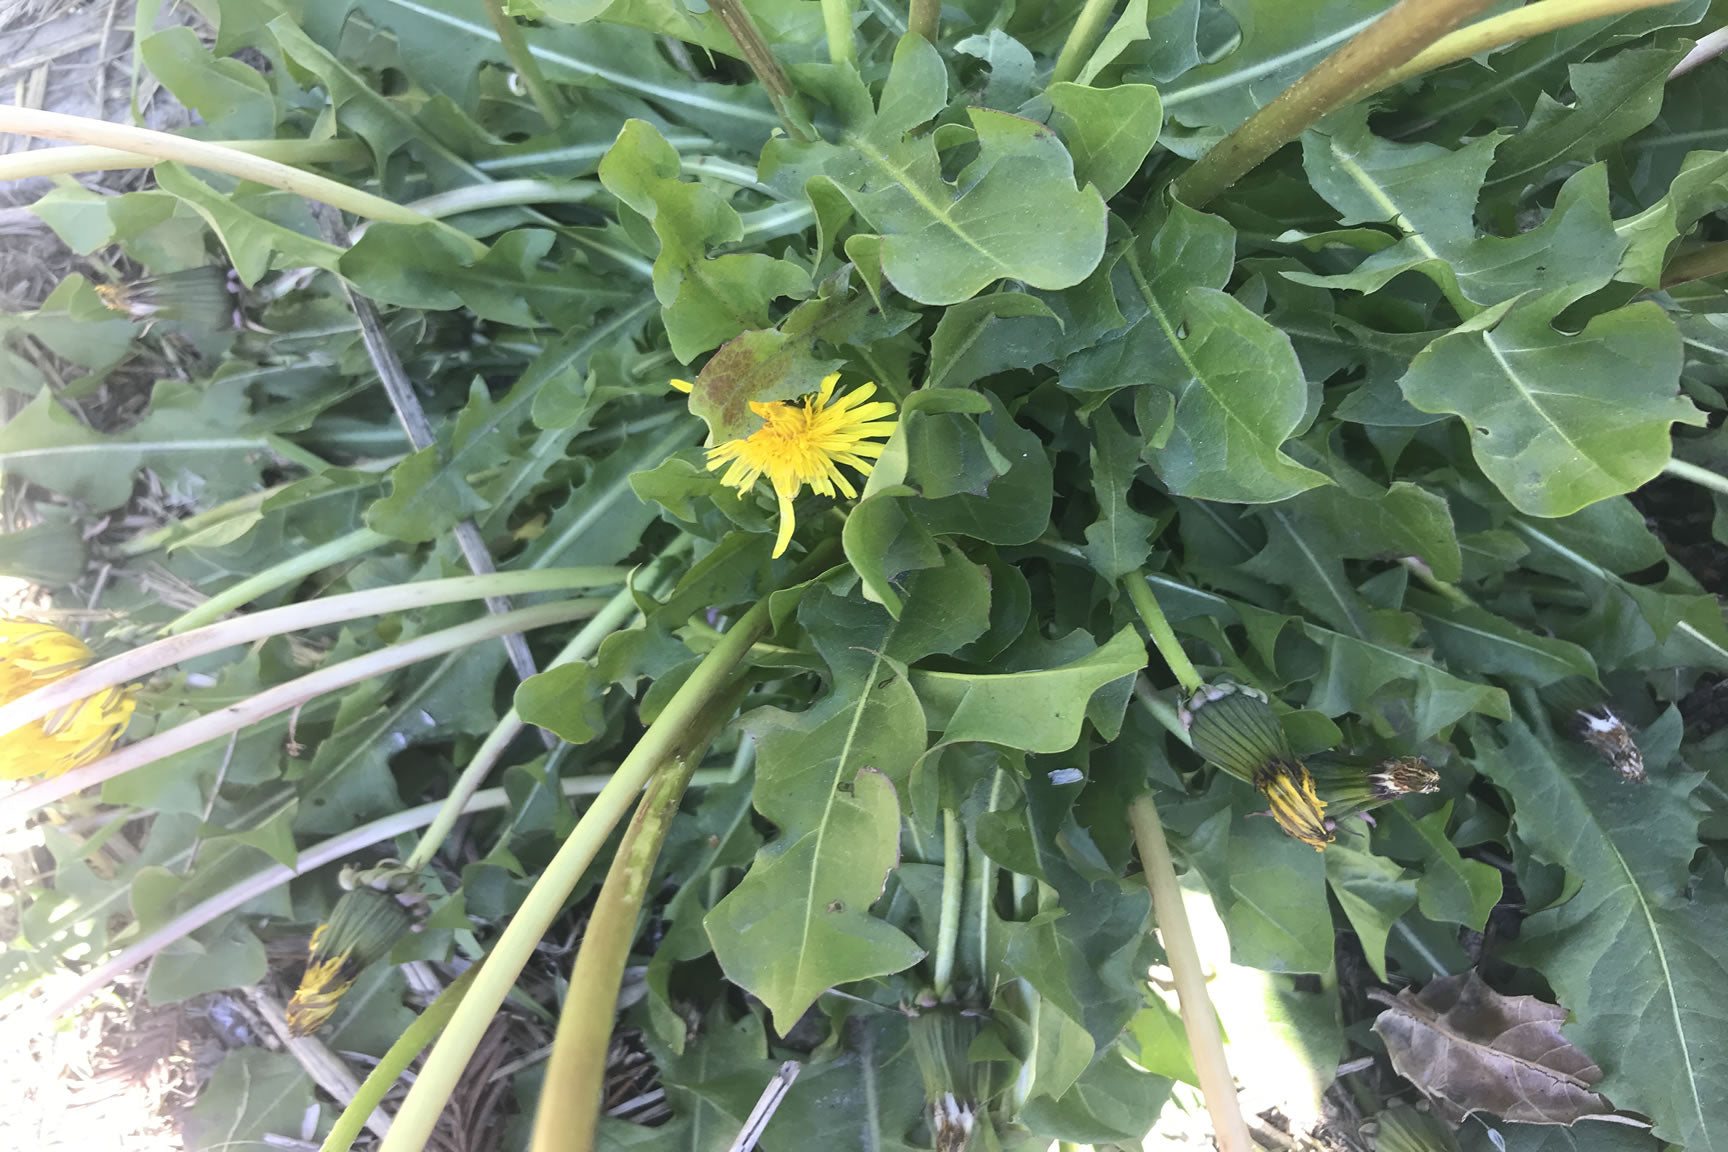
{"points": [[1082, 39], [153, 657], [516, 47], [215, 157], [283, 697], [443, 1068], [1140, 593], [1198, 1017]]}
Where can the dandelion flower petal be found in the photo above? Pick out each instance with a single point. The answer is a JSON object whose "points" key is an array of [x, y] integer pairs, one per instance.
{"points": [[803, 443]]}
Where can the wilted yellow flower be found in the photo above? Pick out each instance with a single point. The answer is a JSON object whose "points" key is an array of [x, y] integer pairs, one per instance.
{"points": [[805, 442], [33, 655], [1235, 728], [363, 927], [1290, 791]]}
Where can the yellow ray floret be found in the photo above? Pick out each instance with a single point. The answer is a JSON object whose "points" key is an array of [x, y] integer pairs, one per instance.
{"points": [[1290, 792], [33, 655], [805, 442], [328, 975]]}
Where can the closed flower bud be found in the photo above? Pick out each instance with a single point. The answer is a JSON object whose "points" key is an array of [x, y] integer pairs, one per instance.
{"points": [[1349, 789], [1235, 728], [941, 1041], [200, 296], [363, 927]]}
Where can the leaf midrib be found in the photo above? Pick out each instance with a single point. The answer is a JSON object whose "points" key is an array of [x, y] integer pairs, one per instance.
{"points": [[835, 778], [1657, 947], [1529, 397], [903, 178]]}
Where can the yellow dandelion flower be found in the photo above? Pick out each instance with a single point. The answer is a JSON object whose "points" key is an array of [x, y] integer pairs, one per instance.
{"points": [[805, 442], [33, 655], [363, 927]]}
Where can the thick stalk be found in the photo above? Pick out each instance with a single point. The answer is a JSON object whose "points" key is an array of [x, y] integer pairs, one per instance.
{"points": [[1506, 28], [569, 1107], [837, 24], [388, 1070], [1198, 1017], [217, 158], [160, 654], [90, 158], [1389, 42], [290, 571], [438, 1077], [925, 17], [15, 806], [1158, 626], [1082, 39], [516, 47], [1699, 263], [757, 54], [948, 924], [1702, 477]]}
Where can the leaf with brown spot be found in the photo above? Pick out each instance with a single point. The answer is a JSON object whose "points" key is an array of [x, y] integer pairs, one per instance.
{"points": [[1470, 1049], [781, 363]]}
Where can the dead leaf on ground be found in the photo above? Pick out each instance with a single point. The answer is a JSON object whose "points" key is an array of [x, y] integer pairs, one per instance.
{"points": [[1470, 1049]]}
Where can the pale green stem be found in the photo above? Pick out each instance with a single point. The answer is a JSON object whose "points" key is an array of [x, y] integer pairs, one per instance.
{"points": [[389, 1069], [505, 194], [584, 644], [569, 1108], [1702, 477], [576, 154], [516, 48], [1198, 1018], [837, 24], [1162, 637], [443, 1068], [948, 924], [159, 654], [329, 851], [15, 806], [1418, 568], [290, 571], [1388, 43], [217, 158], [1160, 710], [90, 158], [1082, 39]]}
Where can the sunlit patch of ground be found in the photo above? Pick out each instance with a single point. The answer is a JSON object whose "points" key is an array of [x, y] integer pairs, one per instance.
{"points": [[111, 1080]]}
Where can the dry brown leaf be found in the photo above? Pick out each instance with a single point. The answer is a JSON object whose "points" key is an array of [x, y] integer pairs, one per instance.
{"points": [[1470, 1049]]}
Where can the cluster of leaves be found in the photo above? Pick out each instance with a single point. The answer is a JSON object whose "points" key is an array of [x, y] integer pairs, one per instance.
{"points": [[1371, 423]]}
